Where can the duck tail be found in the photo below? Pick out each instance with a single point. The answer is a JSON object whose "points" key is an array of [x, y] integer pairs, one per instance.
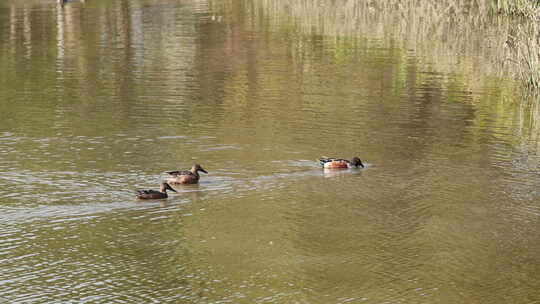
{"points": [[323, 160]]}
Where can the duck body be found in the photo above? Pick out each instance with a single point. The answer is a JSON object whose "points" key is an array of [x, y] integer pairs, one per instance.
{"points": [[340, 163], [154, 194], [63, 2], [186, 177]]}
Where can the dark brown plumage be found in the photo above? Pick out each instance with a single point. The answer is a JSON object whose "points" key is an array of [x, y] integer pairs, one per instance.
{"points": [[154, 194]]}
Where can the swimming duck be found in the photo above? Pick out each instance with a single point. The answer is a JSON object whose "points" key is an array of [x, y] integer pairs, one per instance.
{"points": [[338, 163], [153, 194], [63, 2], [186, 177]]}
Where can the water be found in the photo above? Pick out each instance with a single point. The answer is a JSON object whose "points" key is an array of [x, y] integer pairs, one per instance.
{"points": [[100, 98]]}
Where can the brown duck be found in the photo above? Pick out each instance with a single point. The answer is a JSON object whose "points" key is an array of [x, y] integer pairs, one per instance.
{"points": [[186, 177], [154, 194]]}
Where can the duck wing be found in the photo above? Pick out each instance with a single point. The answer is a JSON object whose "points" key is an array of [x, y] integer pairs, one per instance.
{"points": [[331, 159], [140, 192], [176, 173], [324, 160]]}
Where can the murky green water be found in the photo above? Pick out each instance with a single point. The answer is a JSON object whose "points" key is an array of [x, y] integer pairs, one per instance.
{"points": [[99, 98]]}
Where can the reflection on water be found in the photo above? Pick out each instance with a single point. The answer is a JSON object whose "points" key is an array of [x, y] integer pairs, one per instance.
{"points": [[99, 98]]}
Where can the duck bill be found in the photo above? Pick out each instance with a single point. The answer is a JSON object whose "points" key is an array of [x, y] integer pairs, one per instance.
{"points": [[202, 170]]}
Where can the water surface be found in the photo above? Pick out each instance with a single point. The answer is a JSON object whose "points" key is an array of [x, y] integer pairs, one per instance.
{"points": [[100, 98]]}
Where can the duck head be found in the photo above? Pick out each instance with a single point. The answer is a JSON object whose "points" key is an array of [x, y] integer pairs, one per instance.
{"points": [[355, 161], [164, 187], [197, 168]]}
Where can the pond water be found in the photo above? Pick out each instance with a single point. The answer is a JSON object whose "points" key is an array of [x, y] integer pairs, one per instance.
{"points": [[99, 98]]}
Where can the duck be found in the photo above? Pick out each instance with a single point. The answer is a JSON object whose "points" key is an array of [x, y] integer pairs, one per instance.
{"points": [[63, 2], [154, 194], [187, 176], [339, 163]]}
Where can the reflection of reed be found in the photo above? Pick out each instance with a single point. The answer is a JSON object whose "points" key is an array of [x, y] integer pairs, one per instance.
{"points": [[457, 35], [529, 122], [450, 34], [525, 46], [465, 47], [452, 37]]}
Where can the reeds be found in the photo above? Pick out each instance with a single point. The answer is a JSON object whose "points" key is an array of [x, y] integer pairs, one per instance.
{"points": [[525, 8], [524, 43], [525, 46]]}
